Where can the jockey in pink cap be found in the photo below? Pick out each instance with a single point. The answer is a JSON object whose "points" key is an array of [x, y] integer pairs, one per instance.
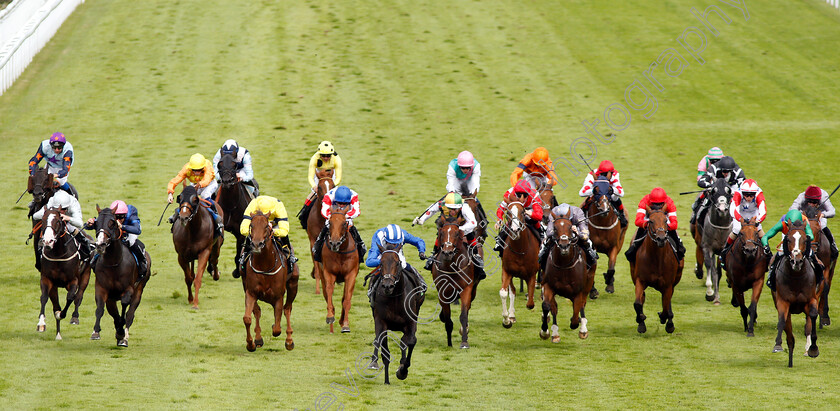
{"points": [[463, 176], [129, 221]]}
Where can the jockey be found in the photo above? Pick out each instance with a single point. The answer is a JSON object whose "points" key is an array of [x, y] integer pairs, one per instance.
{"points": [[72, 215], [244, 169], [463, 176], [746, 204], [606, 170], [579, 227], [59, 155], [453, 205], [523, 193], [535, 168], [198, 171], [276, 213], [656, 200], [713, 156], [725, 168], [341, 197], [324, 159], [784, 225], [129, 222], [393, 234], [817, 197]]}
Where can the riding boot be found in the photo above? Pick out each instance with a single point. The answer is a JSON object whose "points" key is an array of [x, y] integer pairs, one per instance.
{"points": [[619, 211], [431, 261], [319, 244], [84, 245], [246, 252], [286, 246], [771, 279], [501, 242], [694, 207], [545, 250], [725, 251], [420, 280], [591, 254], [303, 214], [830, 238], [678, 242], [360, 244], [138, 251], [217, 220], [631, 251]]}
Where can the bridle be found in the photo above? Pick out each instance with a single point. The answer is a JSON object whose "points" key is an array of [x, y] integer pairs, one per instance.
{"points": [[227, 170], [62, 228], [390, 276], [278, 261], [652, 231], [187, 203], [345, 228]]}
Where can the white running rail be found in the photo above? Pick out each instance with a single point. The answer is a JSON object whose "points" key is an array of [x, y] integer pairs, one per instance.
{"points": [[25, 27], [835, 3]]}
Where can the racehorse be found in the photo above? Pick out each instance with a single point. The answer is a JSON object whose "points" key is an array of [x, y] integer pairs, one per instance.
{"points": [[605, 232], [519, 259], [194, 239], [61, 266], [711, 237], [339, 263], [116, 277], [315, 222], [267, 278], [656, 266], [566, 275], [796, 291], [822, 247], [233, 198], [454, 276], [745, 268], [42, 186], [481, 217], [396, 306]]}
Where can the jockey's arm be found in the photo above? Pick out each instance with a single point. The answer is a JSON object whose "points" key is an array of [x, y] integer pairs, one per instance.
{"points": [[245, 225], [247, 172], [701, 168], [326, 204], [827, 208], [641, 213], [671, 209], [415, 241], [451, 180], [475, 179], [182, 175], [772, 232], [733, 207], [797, 204], [588, 185], [216, 159], [808, 232], [33, 162], [65, 168], [372, 260], [337, 170], [517, 174], [355, 208], [432, 210], [469, 219], [705, 181], [536, 209], [281, 224], [762, 208], [132, 224], [75, 214], [618, 190], [209, 175]]}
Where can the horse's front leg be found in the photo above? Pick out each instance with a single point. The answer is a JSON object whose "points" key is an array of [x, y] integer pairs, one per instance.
{"points": [[84, 279], [446, 318], [790, 340], [257, 329], [409, 340], [667, 315], [203, 259], [246, 319], [504, 293], [46, 284], [548, 295], [328, 287], [99, 296], [56, 309], [119, 326], [609, 276], [638, 305], [713, 277], [756, 294], [578, 316], [532, 285], [349, 285], [189, 276], [277, 327], [782, 308], [291, 293], [811, 349], [466, 302]]}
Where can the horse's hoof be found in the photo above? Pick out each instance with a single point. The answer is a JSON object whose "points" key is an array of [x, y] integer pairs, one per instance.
{"points": [[373, 365], [250, 347], [593, 294], [290, 345], [402, 372], [710, 298], [716, 302], [122, 343], [94, 336], [259, 342], [42, 328], [529, 306], [825, 321], [58, 337], [669, 328], [813, 352], [698, 272], [734, 302], [555, 339], [507, 323], [512, 320], [609, 289], [662, 318], [544, 334], [583, 335], [750, 334], [465, 345], [642, 328], [345, 329], [778, 348], [235, 273], [274, 334], [330, 320], [194, 307]]}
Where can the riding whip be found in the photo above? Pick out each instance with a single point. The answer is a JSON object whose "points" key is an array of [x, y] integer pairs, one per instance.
{"points": [[829, 196], [587, 164], [163, 213], [24, 192], [691, 192], [429, 208]]}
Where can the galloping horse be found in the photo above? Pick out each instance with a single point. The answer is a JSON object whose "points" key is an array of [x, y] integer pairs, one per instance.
{"points": [[566, 275], [233, 198], [42, 186], [656, 266], [396, 306], [340, 263], [605, 232], [796, 291], [822, 247], [267, 278], [454, 276], [745, 268], [711, 238], [116, 277], [61, 266], [315, 222], [519, 259], [194, 240]]}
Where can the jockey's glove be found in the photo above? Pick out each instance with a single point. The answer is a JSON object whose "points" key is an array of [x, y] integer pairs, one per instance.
{"points": [[417, 221], [422, 255], [767, 250]]}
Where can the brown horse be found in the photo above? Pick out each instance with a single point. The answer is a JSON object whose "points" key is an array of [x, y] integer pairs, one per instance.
{"points": [[233, 198], [61, 266], [116, 277], [315, 222], [656, 266], [519, 259], [267, 279], [340, 263], [822, 247], [41, 185], [796, 291], [192, 234], [745, 268], [454, 276], [605, 232], [566, 275]]}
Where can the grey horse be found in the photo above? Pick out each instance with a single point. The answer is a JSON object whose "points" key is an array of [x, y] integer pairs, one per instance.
{"points": [[716, 227]]}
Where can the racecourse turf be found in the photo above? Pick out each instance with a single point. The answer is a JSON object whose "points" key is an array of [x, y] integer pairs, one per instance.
{"points": [[400, 88]]}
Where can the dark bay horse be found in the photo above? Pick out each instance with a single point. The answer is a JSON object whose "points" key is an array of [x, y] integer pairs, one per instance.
{"points": [[340, 263], [315, 222], [519, 259], [711, 235], [233, 198], [745, 268], [796, 291], [42, 187], [656, 266], [396, 306], [116, 277], [192, 234], [267, 278], [454, 276], [605, 231], [566, 275], [61, 266], [822, 247]]}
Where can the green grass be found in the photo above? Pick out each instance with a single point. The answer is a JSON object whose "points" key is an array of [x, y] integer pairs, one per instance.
{"points": [[400, 89]]}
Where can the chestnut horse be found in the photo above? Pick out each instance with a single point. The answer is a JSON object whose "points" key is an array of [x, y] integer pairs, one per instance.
{"points": [[822, 247], [267, 278], [745, 268], [194, 239], [519, 259], [315, 222], [339, 263], [605, 232], [116, 277], [656, 266], [61, 266], [454, 276], [566, 275], [796, 291], [233, 198]]}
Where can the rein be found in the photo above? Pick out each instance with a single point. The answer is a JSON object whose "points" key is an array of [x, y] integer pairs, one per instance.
{"points": [[278, 262]]}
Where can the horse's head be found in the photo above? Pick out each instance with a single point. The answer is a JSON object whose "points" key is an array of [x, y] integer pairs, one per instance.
{"points": [[657, 227], [41, 185], [564, 237], [721, 195], [260, 231], [600, 193], [325, 182], [339, 226], [515, 217], [450, 237], [107, 228], [811, 211], [749, 234], [390, 266], [188, 204], [227, 170], [53, 226], [796, 245]]}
